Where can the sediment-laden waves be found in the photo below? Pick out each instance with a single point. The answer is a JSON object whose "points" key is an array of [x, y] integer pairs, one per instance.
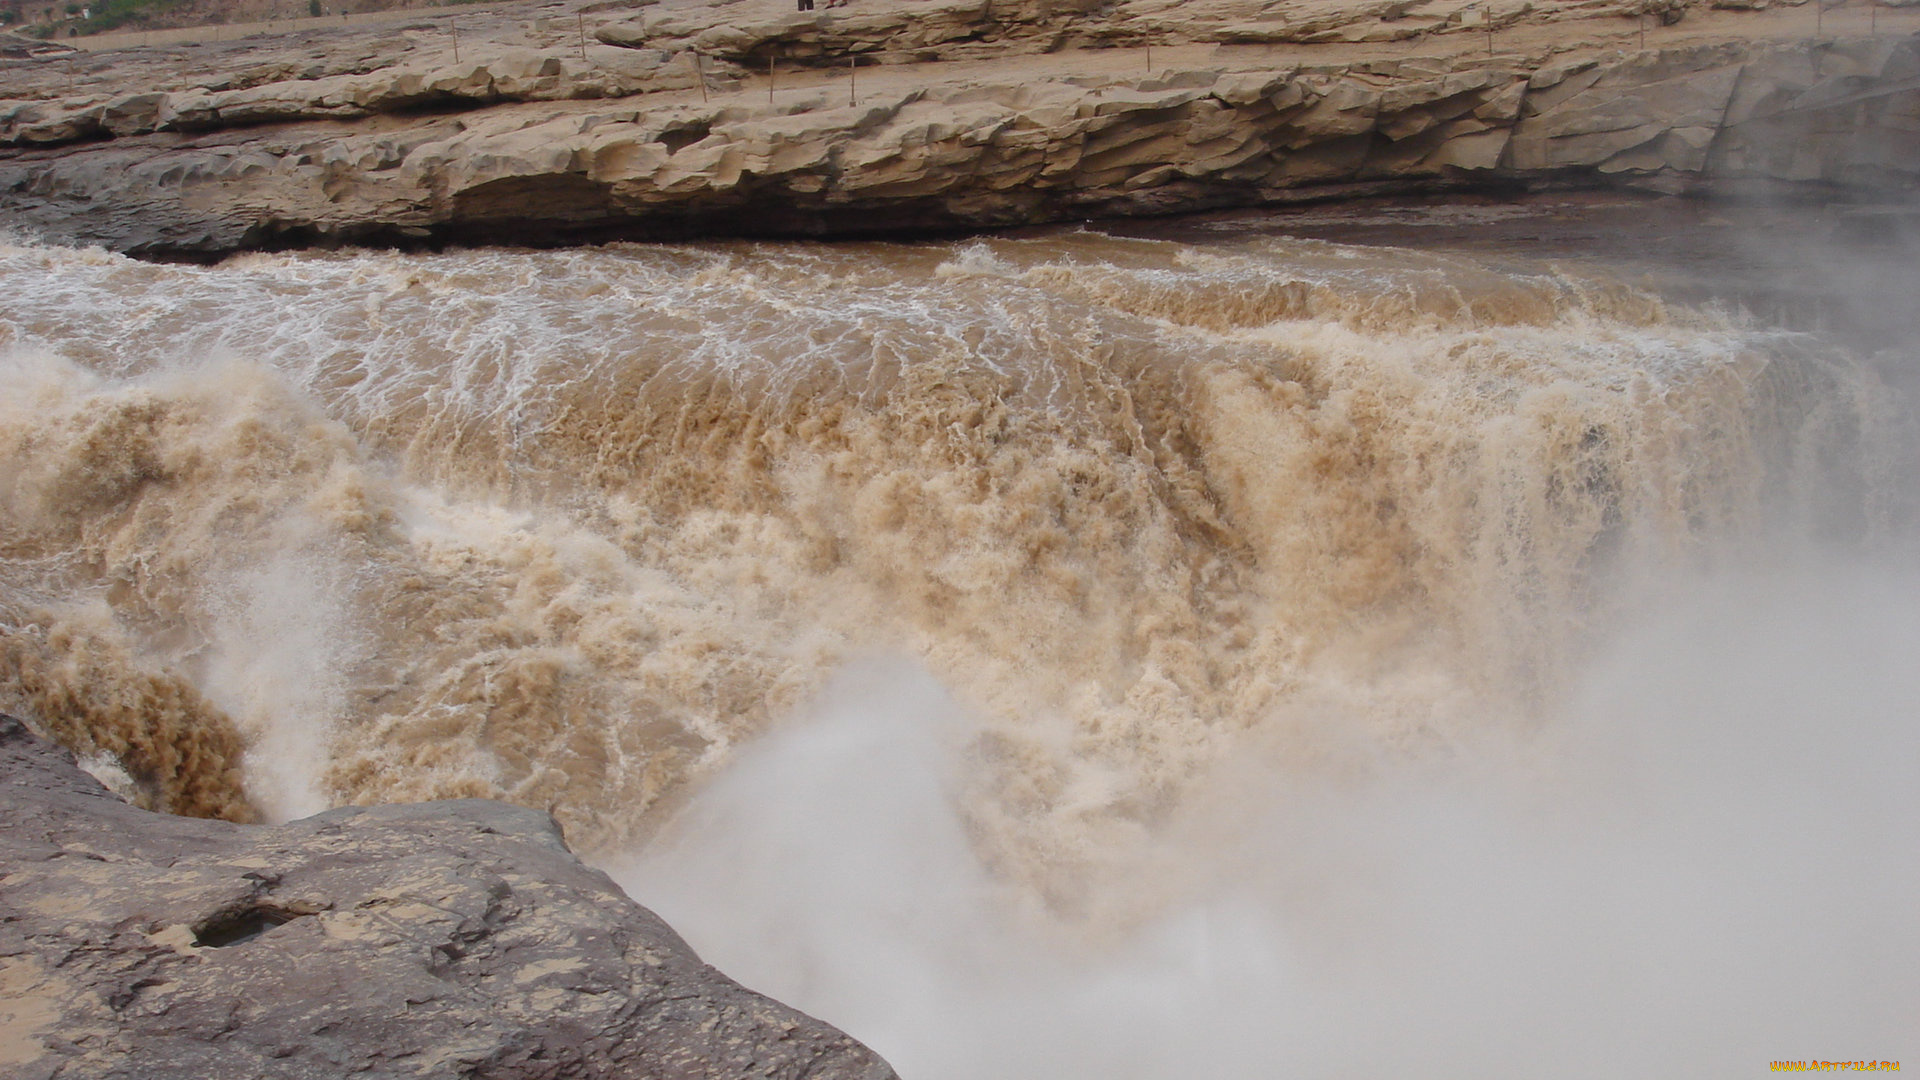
{"points": [[569, 528]]}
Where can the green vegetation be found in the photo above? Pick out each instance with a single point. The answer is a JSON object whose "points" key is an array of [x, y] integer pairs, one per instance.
{"points": [[105, 15]]}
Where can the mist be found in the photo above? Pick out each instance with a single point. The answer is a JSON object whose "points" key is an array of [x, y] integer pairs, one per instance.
{"points": [[1701, 862]]}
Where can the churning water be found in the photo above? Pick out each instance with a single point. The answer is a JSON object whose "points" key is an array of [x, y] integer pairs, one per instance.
{"points": [[1071, 656]]}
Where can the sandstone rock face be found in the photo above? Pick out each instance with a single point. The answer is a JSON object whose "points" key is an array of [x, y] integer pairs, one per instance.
{"points": [[437, 940], [939, 30], [957, 121]]}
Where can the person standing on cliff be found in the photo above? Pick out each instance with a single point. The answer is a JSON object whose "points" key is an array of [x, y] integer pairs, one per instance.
{"points": [[806, 5]]}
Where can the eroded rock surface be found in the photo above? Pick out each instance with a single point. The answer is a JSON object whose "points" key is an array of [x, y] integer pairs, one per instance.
{"points": [[435, 940], [895, 116]]}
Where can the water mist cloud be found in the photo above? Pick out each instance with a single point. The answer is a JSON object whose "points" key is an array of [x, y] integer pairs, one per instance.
{"points": [[1703, 865]]}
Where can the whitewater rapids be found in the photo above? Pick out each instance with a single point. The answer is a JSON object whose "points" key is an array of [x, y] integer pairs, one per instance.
{"points": [[1063, 657]]}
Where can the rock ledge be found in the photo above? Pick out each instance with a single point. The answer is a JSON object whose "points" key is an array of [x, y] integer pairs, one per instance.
{"points": [[891, 116], [436, 940]]}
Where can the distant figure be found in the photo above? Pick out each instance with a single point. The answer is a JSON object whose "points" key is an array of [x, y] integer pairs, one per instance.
{"points": [[806, 5]]}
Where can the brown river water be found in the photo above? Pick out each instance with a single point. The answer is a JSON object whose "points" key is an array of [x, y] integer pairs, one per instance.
{"points": [[1407, 640]]}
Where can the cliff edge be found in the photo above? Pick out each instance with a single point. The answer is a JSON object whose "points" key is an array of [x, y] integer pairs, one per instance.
{"points": [[552, 123]]}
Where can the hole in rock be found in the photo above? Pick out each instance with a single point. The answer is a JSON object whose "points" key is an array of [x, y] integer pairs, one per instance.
{"points": [[678, 137], [236, 927]]}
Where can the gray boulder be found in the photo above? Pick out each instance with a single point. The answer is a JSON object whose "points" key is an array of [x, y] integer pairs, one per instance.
{"points": [[449, 939]]}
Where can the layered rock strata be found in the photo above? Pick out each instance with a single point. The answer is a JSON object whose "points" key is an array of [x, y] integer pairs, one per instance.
{"points": [[434, 940], [945, 30], [674, 130]]}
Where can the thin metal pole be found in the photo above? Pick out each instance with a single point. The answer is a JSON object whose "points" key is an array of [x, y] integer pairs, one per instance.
{"points": [[1149, 57], [770, 76], [582, 18], [456, 41], [700, 72], [853, 77]]}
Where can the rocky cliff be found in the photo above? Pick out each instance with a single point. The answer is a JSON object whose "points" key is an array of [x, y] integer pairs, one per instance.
{"points": [[529, 124], [434, 940]]}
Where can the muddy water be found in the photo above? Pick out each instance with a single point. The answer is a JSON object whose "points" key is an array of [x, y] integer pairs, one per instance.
{"points": [[1142, 528]]}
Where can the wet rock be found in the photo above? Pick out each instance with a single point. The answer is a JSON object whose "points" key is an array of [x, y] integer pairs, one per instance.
{"points": [[440, 939]]}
